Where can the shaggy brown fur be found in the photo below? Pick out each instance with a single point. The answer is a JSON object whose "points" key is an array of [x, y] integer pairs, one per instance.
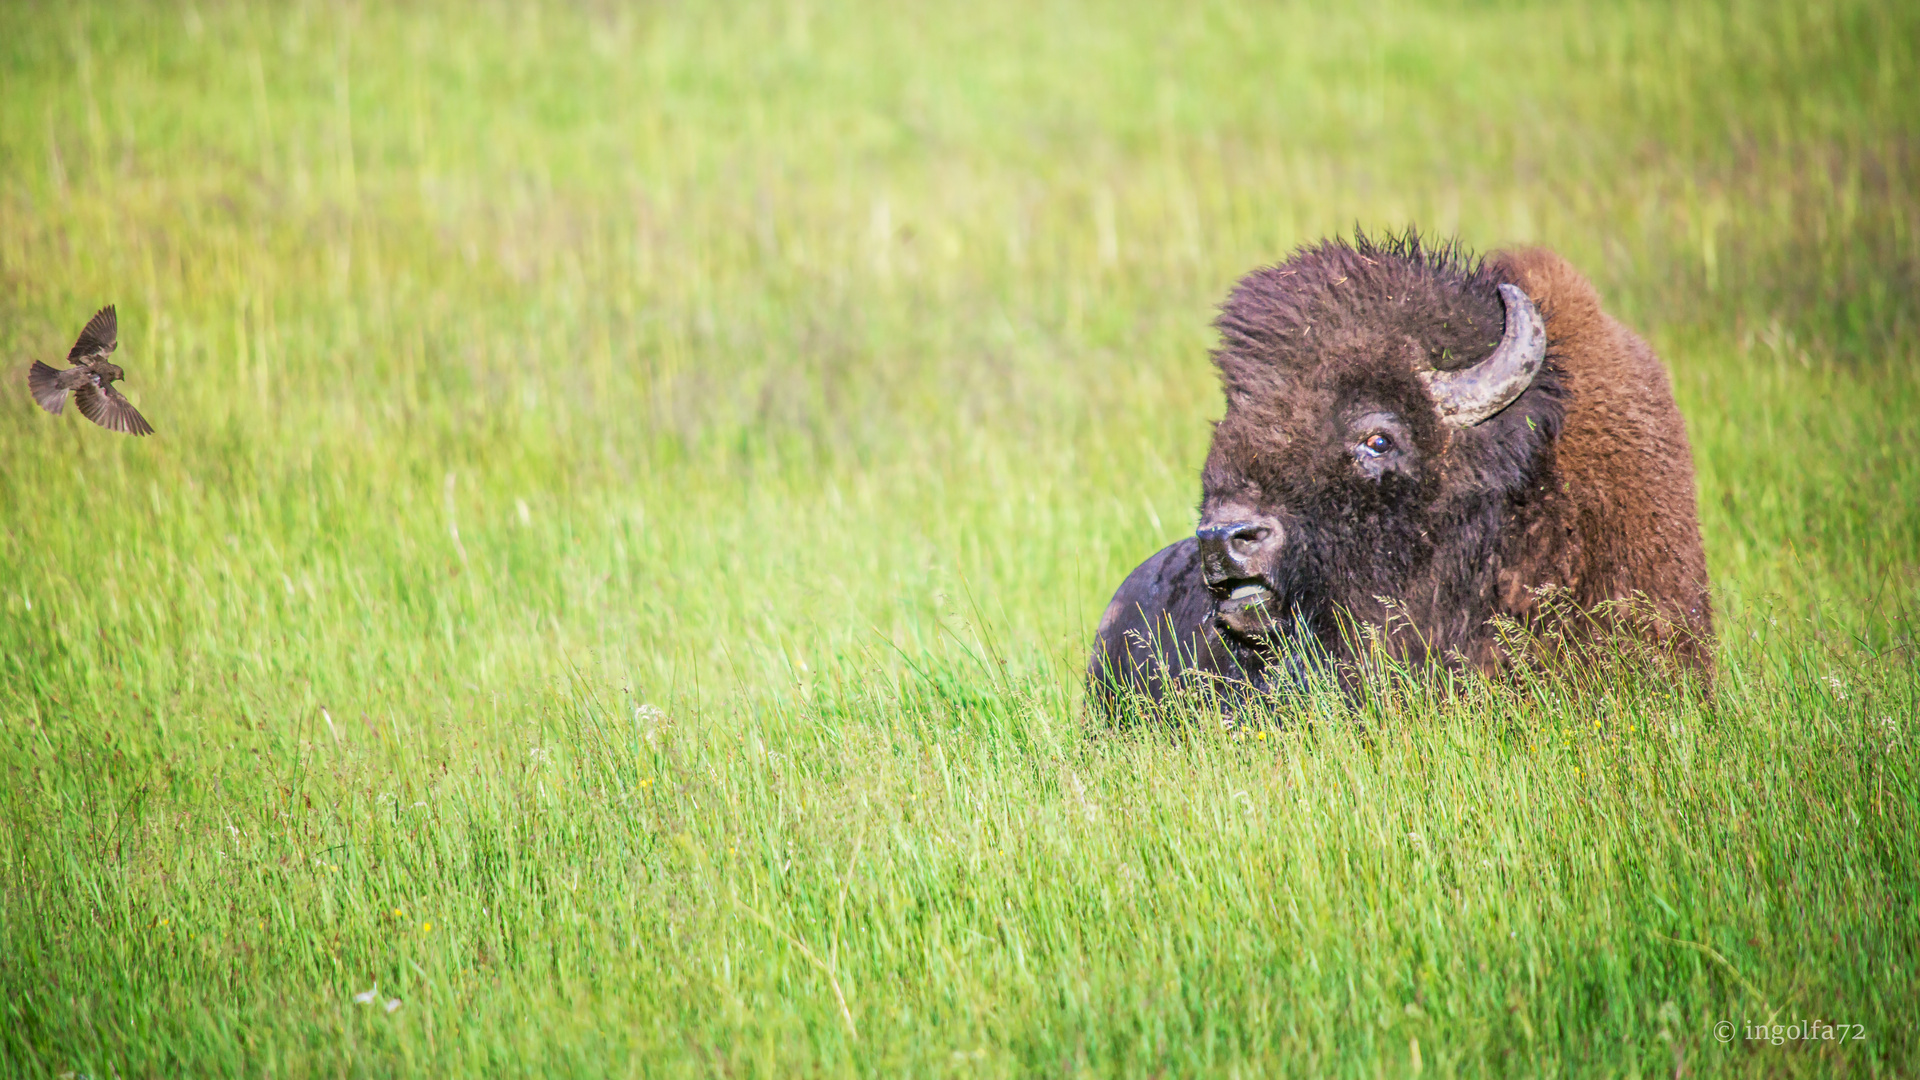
{"points": [[1625, 460], [1582, 486]]}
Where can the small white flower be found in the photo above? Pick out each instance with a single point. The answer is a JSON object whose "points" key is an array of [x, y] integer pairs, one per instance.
{"points": [[1890, 730], [366, 997], [392, 1004], [1839, 688]]}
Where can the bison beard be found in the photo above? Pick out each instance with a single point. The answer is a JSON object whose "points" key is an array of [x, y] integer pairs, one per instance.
{"points": [[1430, 444]]}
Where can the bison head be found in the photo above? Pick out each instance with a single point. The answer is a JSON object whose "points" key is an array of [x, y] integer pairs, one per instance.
{"points": [[1391, 411]]}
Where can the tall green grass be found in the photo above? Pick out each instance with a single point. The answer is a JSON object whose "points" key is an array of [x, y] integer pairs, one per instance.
{"points": [[634, 485]]}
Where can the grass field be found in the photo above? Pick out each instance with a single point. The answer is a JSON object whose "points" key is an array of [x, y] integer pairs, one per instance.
{"points": [[633, 488]]}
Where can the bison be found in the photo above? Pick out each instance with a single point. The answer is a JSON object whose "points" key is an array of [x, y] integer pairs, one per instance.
{"points": [[1431, 445]]}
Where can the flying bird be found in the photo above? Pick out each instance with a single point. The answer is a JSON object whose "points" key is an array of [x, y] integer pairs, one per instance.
{"points": [[90, 379]]}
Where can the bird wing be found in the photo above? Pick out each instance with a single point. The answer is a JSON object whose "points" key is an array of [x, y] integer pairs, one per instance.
{"points": [[102, 333], [110, 409], [44, 381]]}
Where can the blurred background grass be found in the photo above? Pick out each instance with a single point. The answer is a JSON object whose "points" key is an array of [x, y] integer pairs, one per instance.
{"points": [[811, 373]]}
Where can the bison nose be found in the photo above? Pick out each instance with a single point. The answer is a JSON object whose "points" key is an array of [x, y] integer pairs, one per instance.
{"points": [[1232, 551]]}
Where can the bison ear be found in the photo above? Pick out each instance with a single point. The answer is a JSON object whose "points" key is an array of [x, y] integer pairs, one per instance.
{"points": [[1467, 397]]}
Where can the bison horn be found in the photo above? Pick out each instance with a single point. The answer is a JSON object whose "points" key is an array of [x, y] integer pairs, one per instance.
{"points": [[1469, 396]]}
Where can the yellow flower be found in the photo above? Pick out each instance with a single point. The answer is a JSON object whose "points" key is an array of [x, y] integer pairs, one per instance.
{"points": [[428, 927], [396, 913]]}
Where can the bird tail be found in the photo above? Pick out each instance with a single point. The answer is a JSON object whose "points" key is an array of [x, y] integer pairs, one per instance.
{"points": [[45, 384]]}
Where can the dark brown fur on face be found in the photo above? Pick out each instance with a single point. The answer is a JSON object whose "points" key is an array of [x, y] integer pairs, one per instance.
{"points": [[1581, 486]]}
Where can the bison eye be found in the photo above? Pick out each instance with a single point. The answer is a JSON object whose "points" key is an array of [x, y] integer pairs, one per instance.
{"points": [[1377, 444]]}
